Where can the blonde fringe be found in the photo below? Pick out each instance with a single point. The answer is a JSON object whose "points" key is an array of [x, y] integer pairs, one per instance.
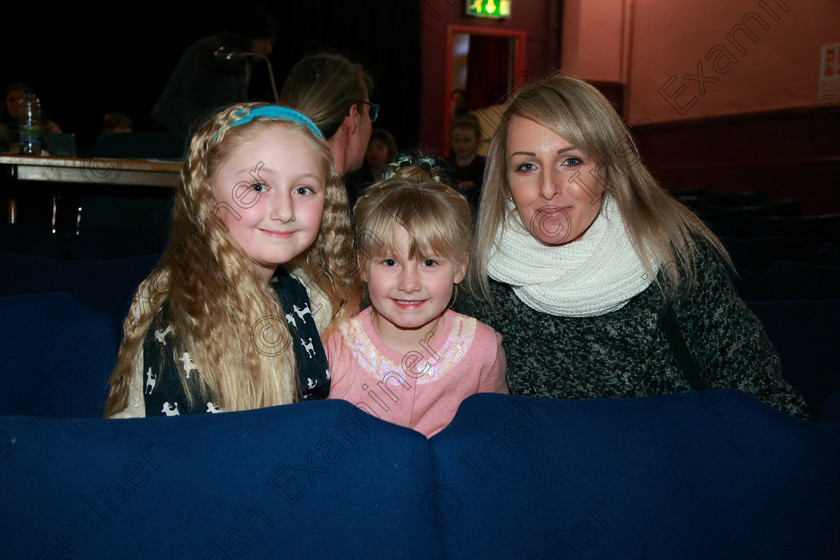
{"points": [[439, 216]]}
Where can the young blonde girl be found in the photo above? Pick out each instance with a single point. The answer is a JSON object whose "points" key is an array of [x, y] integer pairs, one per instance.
{"points": [[222, 323], [407, 358]]}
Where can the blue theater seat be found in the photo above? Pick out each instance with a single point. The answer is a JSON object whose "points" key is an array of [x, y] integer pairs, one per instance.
{"points": [[711, 474], [26, 238], [103, 285], [108, 243], [806, 335], [309, 480], [811, 230], [797, 280], [756, 253], [751, 286], [57, 357]]}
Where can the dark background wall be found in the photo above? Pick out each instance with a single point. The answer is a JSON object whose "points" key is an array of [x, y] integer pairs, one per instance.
{"points": [[83, 63]]}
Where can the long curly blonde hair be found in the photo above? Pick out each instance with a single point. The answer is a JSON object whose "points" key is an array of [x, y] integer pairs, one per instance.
{"points": [[216, 299]]}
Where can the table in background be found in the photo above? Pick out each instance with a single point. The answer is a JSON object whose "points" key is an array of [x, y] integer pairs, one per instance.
{"points": [[68, 177]]}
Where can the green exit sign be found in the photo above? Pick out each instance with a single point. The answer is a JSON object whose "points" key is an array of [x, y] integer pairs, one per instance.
{"points": [[489, 8]]}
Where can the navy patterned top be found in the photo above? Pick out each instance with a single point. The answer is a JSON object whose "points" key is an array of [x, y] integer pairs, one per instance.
{"points": [[162, 389]]}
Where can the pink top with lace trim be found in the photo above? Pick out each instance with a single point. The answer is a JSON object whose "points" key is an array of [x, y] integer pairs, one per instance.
{"points": [[421, 389]]}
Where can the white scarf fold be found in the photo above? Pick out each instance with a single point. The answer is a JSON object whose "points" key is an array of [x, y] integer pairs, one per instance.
{"points": [[592, 276]]}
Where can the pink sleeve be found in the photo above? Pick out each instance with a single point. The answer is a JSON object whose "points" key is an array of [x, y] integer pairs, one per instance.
{"points": [[340, 359], [493, 380]]}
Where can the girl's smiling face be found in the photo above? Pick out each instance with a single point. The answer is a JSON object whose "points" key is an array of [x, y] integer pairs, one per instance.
{"points": [[270, 193], [408, 294], [556, 187]]}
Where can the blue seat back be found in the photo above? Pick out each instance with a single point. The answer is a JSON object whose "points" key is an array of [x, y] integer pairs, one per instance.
{"points": [[103, 285], [806, 335], [710, 474], [308, 480], [795, 280], [57, 357]]}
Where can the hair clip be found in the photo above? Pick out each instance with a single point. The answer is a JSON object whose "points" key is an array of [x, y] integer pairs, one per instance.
{"points": [[401, 161], [426, 163]]}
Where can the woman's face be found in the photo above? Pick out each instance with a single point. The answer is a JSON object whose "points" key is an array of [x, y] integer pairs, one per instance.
{"points": [[558, 190], [14, 103], [377, 153]]}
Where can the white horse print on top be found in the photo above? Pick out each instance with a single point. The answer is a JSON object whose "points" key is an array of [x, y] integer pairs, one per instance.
{"points": [[151, 381], [189, 366], [160, 335], [170, 409], [301, 312], [310, 349]]}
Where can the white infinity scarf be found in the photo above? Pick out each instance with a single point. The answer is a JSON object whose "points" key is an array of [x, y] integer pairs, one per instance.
{"points": [[592, 276]]}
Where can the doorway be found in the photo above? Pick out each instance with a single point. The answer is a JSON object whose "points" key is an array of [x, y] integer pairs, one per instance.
{"points": [[487, 64]]}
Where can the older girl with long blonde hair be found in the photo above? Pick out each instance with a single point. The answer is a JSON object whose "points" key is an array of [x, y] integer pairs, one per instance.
{"points": [[223, 322]]}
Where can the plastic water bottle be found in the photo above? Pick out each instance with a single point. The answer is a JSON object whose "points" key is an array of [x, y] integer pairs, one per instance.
{"points": [[29, 125]]}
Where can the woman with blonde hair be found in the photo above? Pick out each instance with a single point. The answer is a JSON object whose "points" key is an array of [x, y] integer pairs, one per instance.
{"points": [[223, 323], [601, 283]]}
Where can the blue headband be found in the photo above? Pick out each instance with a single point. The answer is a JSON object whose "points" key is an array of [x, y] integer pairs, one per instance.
{"points": [[279, 113]]}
